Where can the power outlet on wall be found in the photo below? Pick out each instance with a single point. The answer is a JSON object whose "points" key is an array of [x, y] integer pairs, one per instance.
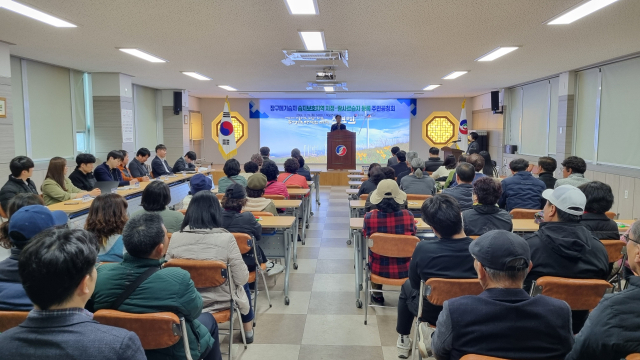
{"points": [[626, 194]]}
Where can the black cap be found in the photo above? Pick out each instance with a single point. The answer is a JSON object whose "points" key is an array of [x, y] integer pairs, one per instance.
{"points": [[235, 191], [496, 248]]}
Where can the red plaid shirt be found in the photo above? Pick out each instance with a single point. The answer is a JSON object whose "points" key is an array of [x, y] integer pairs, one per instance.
{"points": [[400, 223]]}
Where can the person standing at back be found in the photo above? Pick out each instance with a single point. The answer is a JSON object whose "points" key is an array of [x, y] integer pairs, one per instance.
{"points": [[434, 162], [474, 147], [185, 163], [82, 177], [573, 169], [463, 192], [137, 167], [19, 181], [522, 190], [548, 166], [159, 164], [393, 160]]}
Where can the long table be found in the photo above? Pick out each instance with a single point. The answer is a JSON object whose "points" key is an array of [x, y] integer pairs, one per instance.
{"points": [[303, 194]]}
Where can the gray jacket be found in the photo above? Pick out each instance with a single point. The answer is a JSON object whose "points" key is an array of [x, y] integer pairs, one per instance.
{"points": [[138, 169], [484, 218], [411, 184], [573, 179], [463, 193]]}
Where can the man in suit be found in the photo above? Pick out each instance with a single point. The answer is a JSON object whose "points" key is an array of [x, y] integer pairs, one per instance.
{"points": [[137, 166], [109, 171], [159, 164], [338, 125], [393, 160], [58, 273], [185, 163]]}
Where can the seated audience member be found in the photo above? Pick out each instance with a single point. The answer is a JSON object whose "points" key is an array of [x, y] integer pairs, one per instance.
{"points": [[274, 187], [485, 214], [82, 177], [256, 158], [452, 174], [410, 156], [447, 257], [522, 190], [199, 182], [573, 169], [255, 192], [265, 152], [162, 289], [19, 181], [295, 153], [463, 192], [434, 162], [387, 174], [185, 163], [250, 168], [443, 171], [106, 219], [124, 170], [301, 170], [232, 171], [548, 165], [599, 201], [137, 167], [109, 171], [18, 202], [159, 164], [402, 165], [478, 164], [155, 199], [393, 160], [563, 247], [388, 218], [369, 185], [202, 237], [611, 331], [488, 169], [56, 187], [474, 146], [418, 182], [289, 176], [24, 225], [496, 322], [58, 273]]}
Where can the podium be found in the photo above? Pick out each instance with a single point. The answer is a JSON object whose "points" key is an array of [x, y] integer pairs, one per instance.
{"points": [[341, 150], [446, 151]]}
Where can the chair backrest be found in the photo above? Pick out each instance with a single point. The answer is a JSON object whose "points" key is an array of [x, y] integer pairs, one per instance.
{"points": [[169, 235], [245, 242], [183, 211], [633, 357], [273, 197], [155, 330], [474, 236], [364, 196], [392, 245], [580, 294], [417, 197], [480, 357], [523, 213], [293, 186], [204, 273], [614, 249], [438, 290], [2, 213], [220, 196], [11, 319], [261, 213], [611, 215]]}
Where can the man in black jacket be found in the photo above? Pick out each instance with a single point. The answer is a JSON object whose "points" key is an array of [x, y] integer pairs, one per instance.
{"points": [[463, 192], [409, 157], [599, 201], [401, 166], [434, 162], [548, 166], [485, 214], [82, 177], [19, 181], [185, 163], [611, 332], [563, 247], [474, 147], [137, 166], [159, 164]]}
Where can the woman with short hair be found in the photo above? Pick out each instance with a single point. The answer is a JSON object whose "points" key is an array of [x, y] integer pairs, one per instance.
{"points": [[290, 176], [444, 170], [124, 170], [599, 201], [57, 187], [368, 186], [232, 171], [274, 187], [250, 168], [485, 214], [155, 199], [106, 220], [417, 182]]}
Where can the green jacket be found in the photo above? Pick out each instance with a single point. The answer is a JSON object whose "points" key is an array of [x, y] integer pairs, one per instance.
{"points": [[168, 290], [52, 192], [172, 219]]}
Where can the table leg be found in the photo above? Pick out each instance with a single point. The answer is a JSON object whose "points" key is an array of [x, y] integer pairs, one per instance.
{"points": [[295, 244], [287, 267], [316, 180], [356, 261], [303, 212]]}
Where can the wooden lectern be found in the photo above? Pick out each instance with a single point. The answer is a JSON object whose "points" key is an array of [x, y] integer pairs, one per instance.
{"points": [[446, 151], [341, 150]]}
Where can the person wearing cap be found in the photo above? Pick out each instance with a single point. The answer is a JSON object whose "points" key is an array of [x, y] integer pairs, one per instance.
{"points": [[611, 331], [389, 218], [418, 182], [24, 224], [185, 163], [463, 192], [199, 182], [255, 195], [290, 176], [155, 199], [410, 156], [522, 190], [503, 321], [485, 215], [250, 168], [563, 247], [446, 257], [387, 173]]}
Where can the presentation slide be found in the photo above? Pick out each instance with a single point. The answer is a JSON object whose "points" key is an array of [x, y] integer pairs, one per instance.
{"points": [[303, 123]]}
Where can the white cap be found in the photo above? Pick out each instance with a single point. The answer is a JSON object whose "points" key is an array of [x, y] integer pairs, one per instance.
{"points": [[387, 189], [567, 198]]}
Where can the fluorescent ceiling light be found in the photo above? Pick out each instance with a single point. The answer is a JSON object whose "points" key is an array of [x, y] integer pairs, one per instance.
{"points": [[227, 87], [328, 88], [313, 40], [196, 75], [302, 7], [143, 55], [454, 75], [496, 53], [34, 14], [431, 87], [579, 11]]}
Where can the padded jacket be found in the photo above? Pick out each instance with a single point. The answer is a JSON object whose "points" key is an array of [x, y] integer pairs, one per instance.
{"points": [[12, 294], [601, 226], [367, 187], [521, 191], [432, 164], [484, 218], [14, 187], [463, 193]]}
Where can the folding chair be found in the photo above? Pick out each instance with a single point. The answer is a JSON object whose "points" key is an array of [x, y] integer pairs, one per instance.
{"points": [[524, 213], [213, 273], [611, 215], [580, 294], [245, 244], [480, 357], [11, 319], [417, 197], [390, 245], [261, 213], [614, 252], [364, 196], [273, 197]]}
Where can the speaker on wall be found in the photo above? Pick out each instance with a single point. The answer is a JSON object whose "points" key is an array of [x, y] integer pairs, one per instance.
{"points": [[495, 101], [177, 102]]}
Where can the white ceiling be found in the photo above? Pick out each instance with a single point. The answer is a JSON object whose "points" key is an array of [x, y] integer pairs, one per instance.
{"points": [[395, 47]]}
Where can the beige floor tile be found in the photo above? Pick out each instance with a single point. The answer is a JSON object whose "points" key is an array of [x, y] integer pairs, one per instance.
{"points": [[280, 329], [336, 234], [336, 207], [340, 330], [306, 252], [334, 303], [335, 266], [339, 220], [297, 282], [334, 282], [387, 329], [306, 266], [310, 242], [268, 351], [314, 234], [339, 213], [318, 220], [331, 352], [316, 226], [335, 243], [336, 226], [299, 303], [335, 253]]}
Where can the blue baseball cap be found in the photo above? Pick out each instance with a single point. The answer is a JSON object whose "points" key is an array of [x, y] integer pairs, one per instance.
{"points": [[29, 221], [199, 183]]}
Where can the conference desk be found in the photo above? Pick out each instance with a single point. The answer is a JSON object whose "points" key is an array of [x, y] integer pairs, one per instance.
{"points": [[301, 194], [355, 184], [291, 208], [356, 207], [358, 177], [315, 173]]}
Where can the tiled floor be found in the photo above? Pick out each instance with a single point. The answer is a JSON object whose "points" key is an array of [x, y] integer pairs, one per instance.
{"points": [[322, 321]]}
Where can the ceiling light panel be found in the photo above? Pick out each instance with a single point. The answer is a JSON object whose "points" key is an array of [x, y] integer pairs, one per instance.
{"points": [[579, 11], [227, 87], [431, 87], [496, 53], [313, 40], [196, 75], [302, 7], [454, 75], [143, 55], [328, 88], [34, 14]]}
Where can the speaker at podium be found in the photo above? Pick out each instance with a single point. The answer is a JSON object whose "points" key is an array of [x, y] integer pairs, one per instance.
{"points": [[341, 150]]}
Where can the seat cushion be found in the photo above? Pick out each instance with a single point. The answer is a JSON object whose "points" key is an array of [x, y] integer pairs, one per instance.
{"points": [[386, 281]]}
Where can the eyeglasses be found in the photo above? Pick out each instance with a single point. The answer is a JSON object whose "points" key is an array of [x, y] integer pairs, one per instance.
{"points": [[626, 236]]}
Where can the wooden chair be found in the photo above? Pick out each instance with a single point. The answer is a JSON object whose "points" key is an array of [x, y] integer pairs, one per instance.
{"points": [[245, 244], [293, 186], [213, 273], [474, 236], [633, 357], [417, 197], [364, 196], [580, 294], [155, 330], [3, 214], [611, 215], [11, 319], [390, 245], [614, 249], [261, 213], [480, 357], [273, 197], [523, 213]]}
